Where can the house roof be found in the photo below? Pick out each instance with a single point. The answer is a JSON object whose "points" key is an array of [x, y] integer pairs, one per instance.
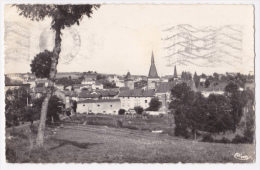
{"points": [[105, 93], [86, 94], [123, 89], [164, 87], [137, 93], [153, 71], [148, 93], [99, 101], [128, 76]]}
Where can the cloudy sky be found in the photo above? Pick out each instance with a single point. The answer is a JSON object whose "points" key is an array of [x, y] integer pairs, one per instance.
{"points": [[118, 38]]}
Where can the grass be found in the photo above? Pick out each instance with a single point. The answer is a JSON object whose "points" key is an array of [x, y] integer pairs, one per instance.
{"points": [[149, 124], [77, 146]]}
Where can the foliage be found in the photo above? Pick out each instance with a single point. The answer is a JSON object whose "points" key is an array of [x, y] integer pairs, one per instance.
{"points": [[181, 126], [74, 106], [16, 103], [239, 139], [207, 83], [108, 85], [54, 108], [100, 76], [65, 81], [186, 76], [216, 76], [238, 100], [203, 75], [62, 15], [121, 111], [41, 64], [139, 110], [194, 111], [154, 104], [207, 138]]}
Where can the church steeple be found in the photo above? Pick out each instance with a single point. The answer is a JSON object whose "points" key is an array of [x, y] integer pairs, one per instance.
{"points": [[152, 59], [175, 72], [153, 71]]}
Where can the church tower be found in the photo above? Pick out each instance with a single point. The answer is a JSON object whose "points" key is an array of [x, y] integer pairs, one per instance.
{"points": [[175, 76], [153, 77], [129, 81]]}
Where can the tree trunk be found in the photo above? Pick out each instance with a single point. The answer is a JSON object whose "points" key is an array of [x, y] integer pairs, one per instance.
{"points": [[53, 71]]}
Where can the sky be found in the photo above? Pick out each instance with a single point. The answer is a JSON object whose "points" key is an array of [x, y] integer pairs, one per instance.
{"points": [[121, 38]]}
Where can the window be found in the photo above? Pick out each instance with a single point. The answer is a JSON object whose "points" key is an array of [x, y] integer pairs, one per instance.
{"points": [[83, 105], [98, 105], [111, 105], [145, 101]]}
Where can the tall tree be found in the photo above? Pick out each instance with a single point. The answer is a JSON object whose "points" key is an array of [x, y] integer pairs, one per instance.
{"points": [[238, 100], [62, 16], [207, 83]]}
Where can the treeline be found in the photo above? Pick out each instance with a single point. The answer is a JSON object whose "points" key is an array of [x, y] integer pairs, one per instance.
{"points": [[214, 114]]}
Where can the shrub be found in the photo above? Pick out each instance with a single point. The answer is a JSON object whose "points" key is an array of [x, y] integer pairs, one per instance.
{"points": [[207, 138], [121, 111], [10, 155], [224, 140], [180, 131], [119, 123], [239, 139]]}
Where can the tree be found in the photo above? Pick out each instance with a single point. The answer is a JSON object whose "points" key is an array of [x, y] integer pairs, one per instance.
{"points": [[41, 64], [15, 102], [154, 104], [121, 111], [203, 75], [238, 100], [74, 106], [139, 110], [207, 83], [62, 16], [219, 118], [216, 76], [54, 108]]}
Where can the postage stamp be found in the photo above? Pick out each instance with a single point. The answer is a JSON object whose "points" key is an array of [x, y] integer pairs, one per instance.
{"points": [[130, 83]]}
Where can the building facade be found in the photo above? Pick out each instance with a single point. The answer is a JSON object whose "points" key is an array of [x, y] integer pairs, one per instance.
{"points": [[136, 97], [104, 106]]}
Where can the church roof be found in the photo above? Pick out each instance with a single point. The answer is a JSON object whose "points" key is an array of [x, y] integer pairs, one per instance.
{"points": [[153, 71], [128, 76]]}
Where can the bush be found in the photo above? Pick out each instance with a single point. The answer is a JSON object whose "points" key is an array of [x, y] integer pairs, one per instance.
{"points": [[119, 123], [180, 131], [223, 140], [10, 155], [121, 111], [207, 138], [239, 139]]}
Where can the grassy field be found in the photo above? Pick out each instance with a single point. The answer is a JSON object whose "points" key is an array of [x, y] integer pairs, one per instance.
{"points": [[75, 145]]}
